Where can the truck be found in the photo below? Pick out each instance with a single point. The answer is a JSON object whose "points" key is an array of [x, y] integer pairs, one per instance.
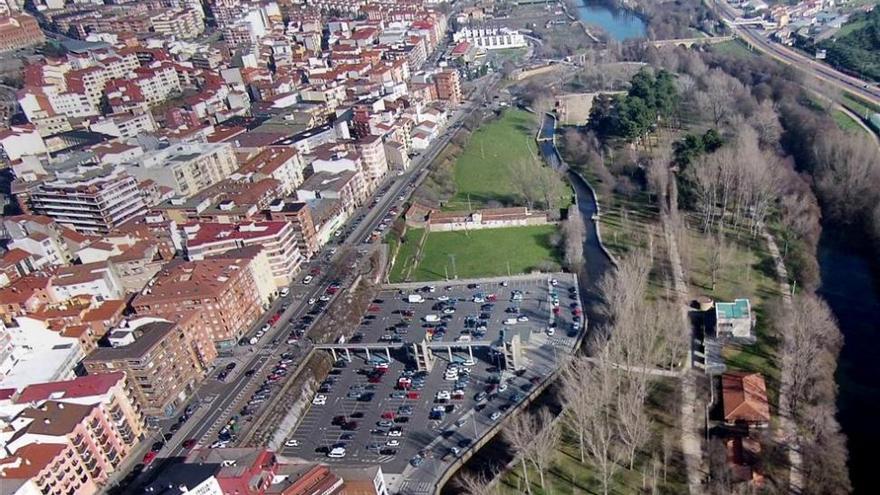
{"points": [[415, 298]]}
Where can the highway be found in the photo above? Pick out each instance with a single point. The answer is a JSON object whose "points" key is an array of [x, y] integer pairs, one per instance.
{"points": [[788, 56]]}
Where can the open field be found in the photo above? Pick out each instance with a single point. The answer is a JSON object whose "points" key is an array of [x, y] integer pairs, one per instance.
{"points": [[483, 169], [845, 122], [480, 253], [733, 47]]}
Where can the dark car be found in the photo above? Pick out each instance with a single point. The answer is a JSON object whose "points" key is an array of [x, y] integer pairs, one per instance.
{"points": [[337, 420], [365, 397], [175, 427], [250, 372], [465, 443], [157, 446], [356, 415], [388, 451], [350, 426], [231, 366]]}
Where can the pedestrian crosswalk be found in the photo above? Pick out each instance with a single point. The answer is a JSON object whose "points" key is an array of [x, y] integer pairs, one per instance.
{"points": [[416, 488]]}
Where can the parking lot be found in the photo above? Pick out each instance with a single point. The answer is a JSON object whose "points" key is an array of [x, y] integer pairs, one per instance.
{"points": [[371, 410]]}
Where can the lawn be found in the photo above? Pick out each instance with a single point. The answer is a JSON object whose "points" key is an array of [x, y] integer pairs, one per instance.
{"points": [[480, 253], [482, 170], [845, 122], [733, 47]]}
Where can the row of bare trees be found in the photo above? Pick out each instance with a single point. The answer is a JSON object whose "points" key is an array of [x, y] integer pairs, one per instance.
{"points": [[605, 394], [537, 184], [813, 345]]}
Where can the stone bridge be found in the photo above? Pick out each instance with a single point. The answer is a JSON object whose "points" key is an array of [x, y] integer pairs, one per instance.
{"points": [[689, 42]]}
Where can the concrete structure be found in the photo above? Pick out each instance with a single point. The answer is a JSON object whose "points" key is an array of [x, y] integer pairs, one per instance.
{"points": [[19, 141], [222, 291], [98, 279], [38, 355], [182, 24], [283, 164], [735, 320], [489, 218], [164, 360], [300, 216]]}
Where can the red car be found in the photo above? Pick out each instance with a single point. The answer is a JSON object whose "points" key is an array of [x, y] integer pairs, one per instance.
{"points": [[374, 308], [315, 271], [375, 379], [413, 395], [149, 458], [576, 311], [189, 443], [388, 415], [491, 298]]}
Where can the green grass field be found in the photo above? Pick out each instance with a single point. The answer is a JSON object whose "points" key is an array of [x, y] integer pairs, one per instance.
{"points": [[733, 47], [845, 122], [481, 253], [482, 171]]}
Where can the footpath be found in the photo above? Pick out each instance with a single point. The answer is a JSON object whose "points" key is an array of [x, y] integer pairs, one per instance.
{"points": [[786, 434], [691, 439]]}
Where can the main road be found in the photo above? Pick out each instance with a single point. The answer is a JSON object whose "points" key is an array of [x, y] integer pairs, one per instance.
{"points": [[788, 56]]}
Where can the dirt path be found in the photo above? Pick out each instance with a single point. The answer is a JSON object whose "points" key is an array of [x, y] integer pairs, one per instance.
{"points": [[691, 439], [786, 434]]}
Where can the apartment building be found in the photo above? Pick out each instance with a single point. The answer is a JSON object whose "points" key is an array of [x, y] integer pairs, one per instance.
{"points": [[19, 31], [374, 162], [491, 38], [277, 239], [223, 292], [163, 360], [448, 86], [98, 279], [91, 203], [157, 83], [125, 125], [19, 141], [182, 24], [300, 216], [187, 168], [280, 163], [66, 448]]}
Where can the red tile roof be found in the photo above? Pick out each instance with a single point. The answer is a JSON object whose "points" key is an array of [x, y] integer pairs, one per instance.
{"points": [[83, 386], [745, 397]]}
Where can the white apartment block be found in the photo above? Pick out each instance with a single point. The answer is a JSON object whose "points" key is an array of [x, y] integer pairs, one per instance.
{"points": [[186, 167], [126, 126], [19, 141], [182, 24], [93, 203], [491, 38], [157, 83]]}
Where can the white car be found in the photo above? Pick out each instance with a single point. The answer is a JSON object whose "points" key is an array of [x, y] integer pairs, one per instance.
{"points": [[504, 283], [522, 318], [495, 415], [266, 328], [443, 395], [337, 453], [284, 291], [469, 362], [502, 387], [395, 433], [313, 300], [319, 400], [442, 298], [219, 444], [393, 443], [324, 298], [478, 300], [554, 282], [308, 279], [451, 377], [551, 330], [448, 311], [292, 443]]}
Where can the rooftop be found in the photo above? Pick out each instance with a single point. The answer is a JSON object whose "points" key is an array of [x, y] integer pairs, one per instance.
{"points": [[738, 309], [82, 386]]}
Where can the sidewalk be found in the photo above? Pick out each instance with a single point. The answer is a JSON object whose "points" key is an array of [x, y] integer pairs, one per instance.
{"points": [[786, 434]]}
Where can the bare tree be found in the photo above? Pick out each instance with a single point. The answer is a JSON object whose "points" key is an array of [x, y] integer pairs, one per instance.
{"points": [[766, 123], [520, 434], [579, 407], [633, 421], [717, 258], [574, 233], [525, 174], [658, 175], [472, 483], [847, 172], [601, 436], [546, 440]]}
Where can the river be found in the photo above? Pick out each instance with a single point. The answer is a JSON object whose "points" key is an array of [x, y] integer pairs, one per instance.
{"points": [[620, 24], [849, 284]]}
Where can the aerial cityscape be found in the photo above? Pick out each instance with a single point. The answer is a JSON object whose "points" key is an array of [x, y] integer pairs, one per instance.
{"points": [[439, 247]]}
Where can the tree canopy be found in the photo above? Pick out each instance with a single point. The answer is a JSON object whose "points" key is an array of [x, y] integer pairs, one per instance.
{"points": [[650, 99]]}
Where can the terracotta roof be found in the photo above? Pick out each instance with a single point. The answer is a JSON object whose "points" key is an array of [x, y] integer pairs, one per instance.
{"points": [[23, 289], [745, 397], [14, 256], [105, 311], [82, 386], [30, 460], [55, 418]]}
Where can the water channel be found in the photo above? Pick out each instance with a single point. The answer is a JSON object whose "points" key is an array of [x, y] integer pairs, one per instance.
{"points": [[850, 285], [620, 24]]}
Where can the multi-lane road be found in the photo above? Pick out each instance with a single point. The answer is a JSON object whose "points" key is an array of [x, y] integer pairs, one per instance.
{"points": [[844, 82], [214, 402]]}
